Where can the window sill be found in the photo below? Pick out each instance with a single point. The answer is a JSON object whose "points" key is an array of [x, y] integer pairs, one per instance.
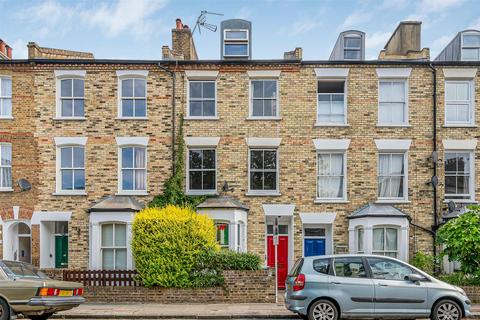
{"points": [[202, 193], [263, 194], [392, 201], [331, 201], [6, 189], [69, 119], [132, 118], [460, 201], [264, 118], [459, 125], [327, 124], [132, 193], [6, 118], [202, 118], [70, 193], [392, 125]]}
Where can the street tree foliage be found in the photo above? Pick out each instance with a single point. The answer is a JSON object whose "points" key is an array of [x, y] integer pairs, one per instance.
{"points": [[460, 238]]}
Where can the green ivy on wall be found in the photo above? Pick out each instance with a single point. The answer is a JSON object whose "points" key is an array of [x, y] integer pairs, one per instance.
{"points": [[174, 191]]}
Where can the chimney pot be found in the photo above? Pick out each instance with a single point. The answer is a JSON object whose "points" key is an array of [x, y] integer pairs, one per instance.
{"points": [[2, 46], [185, 26], [178, 24], [9, 52]]}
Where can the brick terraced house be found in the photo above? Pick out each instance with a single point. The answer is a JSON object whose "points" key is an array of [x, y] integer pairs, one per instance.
{"points": [[345, 154]]}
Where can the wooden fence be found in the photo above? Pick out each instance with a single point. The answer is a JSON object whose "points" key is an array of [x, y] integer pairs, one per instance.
{"points": [[106, 278]]}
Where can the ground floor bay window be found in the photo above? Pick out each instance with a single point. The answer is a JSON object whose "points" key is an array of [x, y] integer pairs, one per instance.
{"points": [[114, 246], [379, 229]]}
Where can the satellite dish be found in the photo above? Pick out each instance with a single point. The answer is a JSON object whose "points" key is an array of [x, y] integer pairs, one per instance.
{"points": [[24, 184], [451, 206]]}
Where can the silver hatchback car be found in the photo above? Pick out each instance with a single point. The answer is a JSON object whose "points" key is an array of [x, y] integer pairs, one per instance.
{"points": [[369, 286]]}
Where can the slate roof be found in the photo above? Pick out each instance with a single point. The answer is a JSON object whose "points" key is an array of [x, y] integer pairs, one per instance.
{"points": [[377, 210], [117, 203], [221, 202]]}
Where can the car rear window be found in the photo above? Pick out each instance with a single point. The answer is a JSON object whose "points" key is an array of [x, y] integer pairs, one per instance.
{"points": [[297, 267], [321, 265], [21, 270]]}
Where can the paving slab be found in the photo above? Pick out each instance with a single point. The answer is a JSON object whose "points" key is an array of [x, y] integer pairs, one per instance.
{"points": [[187, 311]]}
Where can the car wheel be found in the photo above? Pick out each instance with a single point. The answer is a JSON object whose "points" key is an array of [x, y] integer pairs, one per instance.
{"points": [[447, 310], [44, 316], [323, 310], [4, 310]]}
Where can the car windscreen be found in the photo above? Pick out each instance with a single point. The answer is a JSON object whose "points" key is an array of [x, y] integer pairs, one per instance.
{"points": [[21, 270]]}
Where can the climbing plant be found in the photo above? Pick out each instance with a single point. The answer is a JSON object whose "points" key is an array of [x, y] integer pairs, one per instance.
{"points": [[173, 189]]}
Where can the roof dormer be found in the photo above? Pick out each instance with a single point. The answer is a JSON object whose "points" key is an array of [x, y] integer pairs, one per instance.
{"points": [[350, 45], [236, 36], [465, 46]]}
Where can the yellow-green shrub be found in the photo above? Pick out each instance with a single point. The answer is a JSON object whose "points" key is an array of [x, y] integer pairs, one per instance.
{"points": [[166, 245]]}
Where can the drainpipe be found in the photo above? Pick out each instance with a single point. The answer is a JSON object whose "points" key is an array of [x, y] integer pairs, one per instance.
{"points": [[434, 140], [172, 75]]}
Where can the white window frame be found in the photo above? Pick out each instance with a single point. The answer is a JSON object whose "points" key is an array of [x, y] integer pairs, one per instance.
{"points": [[120, 170], [405, 123], [250, 100], [6, 116], [215, 116], [471, 178], [65, 75], [277, 169], [60, 169], [114, 248], [351, 35], [462, 46], [236, 41], [187, 182], [357, 239], [344, 191], [385, 251], [3, 188], [471, 105], [229, 245], [345, 96], [405, 177], [126, 75], [61, 142]]}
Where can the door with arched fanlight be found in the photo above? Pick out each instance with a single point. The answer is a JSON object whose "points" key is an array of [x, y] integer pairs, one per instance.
{"points": [[24, 247]]}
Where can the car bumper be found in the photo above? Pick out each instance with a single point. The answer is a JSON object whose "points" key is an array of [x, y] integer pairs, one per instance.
{"points": [[296, 303], [55, 301], [467, 307]]}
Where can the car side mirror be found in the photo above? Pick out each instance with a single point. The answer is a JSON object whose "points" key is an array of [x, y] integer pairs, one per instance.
{"points": [[414, 277]]}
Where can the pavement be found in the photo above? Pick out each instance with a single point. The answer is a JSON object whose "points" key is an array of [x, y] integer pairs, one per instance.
{"points": [[187, 311]]}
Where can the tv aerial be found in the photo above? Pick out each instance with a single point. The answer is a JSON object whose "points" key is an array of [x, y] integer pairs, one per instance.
{"points": [[202, 22]]}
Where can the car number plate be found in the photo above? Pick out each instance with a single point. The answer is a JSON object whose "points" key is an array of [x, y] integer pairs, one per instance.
{"points": [[66, 293]]}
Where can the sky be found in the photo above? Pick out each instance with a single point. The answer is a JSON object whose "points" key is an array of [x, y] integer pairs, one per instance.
{"points": [[137, 29]]}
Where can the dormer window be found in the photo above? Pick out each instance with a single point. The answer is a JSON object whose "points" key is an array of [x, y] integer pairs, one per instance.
{"points": [[235, 43], [471, 46], [352, 47]]}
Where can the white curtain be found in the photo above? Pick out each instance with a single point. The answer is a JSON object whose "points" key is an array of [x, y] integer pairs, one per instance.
{"points": [[6, 166], [330, 175], [383, 179], [396, 187], [378, 239], [391, 239], [140, 170]]}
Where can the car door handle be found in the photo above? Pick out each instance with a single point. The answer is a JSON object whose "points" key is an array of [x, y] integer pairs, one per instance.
{"points": [[383, 285], [334, 282]]}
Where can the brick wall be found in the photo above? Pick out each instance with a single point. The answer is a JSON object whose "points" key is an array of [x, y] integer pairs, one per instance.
{"points": [[240, 287]]}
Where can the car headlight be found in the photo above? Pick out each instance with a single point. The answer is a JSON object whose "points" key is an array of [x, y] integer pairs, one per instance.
{"points": [[461, 291]]}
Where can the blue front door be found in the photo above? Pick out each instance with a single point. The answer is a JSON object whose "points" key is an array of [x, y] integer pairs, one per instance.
{"points": [[314, 247]]}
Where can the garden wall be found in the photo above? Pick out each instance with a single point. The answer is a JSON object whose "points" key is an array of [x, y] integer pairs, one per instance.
{"points": [[473, 292], [240, 287]]}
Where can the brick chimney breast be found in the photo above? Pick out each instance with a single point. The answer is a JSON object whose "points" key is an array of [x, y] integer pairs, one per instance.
{"points": [[183, 47], [405, 43]]}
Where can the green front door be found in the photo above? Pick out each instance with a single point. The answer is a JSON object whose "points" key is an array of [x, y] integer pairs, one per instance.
{"points": [[61, 251]]}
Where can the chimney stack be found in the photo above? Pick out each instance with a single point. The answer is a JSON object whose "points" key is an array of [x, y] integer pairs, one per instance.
{"points": [[5, 51], [183, 47], [405, 43], [293, 55]]}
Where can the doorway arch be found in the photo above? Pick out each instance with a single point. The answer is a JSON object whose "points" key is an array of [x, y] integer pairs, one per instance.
{"points": [[18, 242]]}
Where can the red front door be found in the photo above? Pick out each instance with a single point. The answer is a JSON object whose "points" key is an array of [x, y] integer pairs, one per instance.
{"points": [[282, 256]]}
